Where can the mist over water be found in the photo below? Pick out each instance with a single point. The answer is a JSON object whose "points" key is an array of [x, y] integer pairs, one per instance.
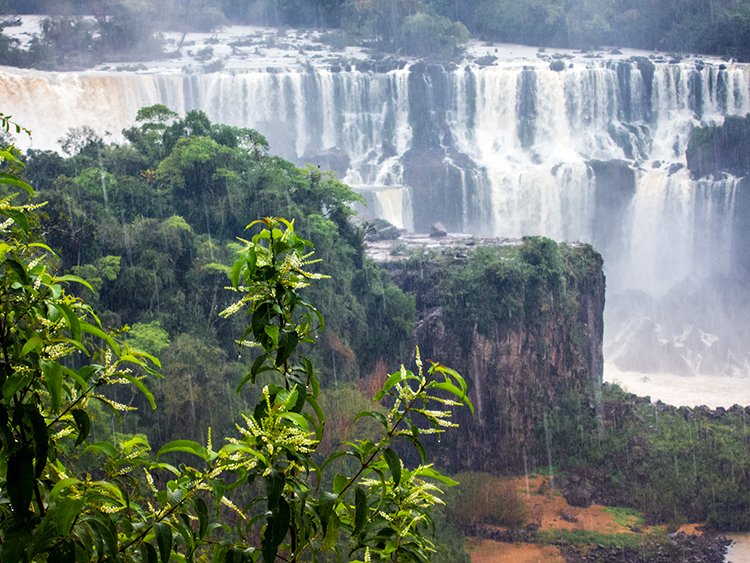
{"points": [[594, 152]]}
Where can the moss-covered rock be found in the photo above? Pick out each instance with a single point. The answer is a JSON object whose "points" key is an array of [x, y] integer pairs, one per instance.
{"points": [[713, 151]]}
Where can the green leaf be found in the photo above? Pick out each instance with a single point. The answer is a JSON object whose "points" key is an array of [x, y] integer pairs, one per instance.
{"points": [[83, 423], [234, 274], [19, 270], [32, 344], [274, 489], [185, 529], [186, 446], [99, 333], [12, 180], [331, 533], [141, 387], [394, 464], [20, 480], [202, 511], [380, 417], [148, 553], [288, 342], [276, 529], [394, 378], [67, 511], [15, 383], [19, 217], [361, 511], [256, 369], [103, 447], [72, 278], [318, 425], [53, 380], [297, 419], [41, 438], [435, 474], [164, 540], [339, 482], [301, 398], [68, 552], [325, 508], [230, 448], [61, 486], [273, 332], [74, 323]]}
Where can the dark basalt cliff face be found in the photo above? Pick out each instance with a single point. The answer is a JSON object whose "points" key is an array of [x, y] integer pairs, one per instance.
{"points": [[713, 151], [522, 322]]}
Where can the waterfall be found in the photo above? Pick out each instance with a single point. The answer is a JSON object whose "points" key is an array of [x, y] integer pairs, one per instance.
{"points": [[594, 152]]}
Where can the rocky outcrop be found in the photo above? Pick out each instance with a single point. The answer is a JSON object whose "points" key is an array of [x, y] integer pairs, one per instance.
{"points": [[713, 151], [522, 321]]}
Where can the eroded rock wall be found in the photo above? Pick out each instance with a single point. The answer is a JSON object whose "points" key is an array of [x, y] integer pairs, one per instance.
{"points": [[522, 322]]}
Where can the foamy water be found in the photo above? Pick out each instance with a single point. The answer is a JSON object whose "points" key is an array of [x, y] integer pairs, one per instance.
{"points": [[712, 391]]}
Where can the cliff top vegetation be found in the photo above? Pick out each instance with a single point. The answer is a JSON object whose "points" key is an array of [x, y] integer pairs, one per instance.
{"points": [[433, 28]]}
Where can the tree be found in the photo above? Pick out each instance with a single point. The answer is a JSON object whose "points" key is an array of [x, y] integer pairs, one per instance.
{"points": [[436, 36], [263, 494]]}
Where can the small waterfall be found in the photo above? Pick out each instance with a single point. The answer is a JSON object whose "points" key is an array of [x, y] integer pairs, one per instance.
{"points": [[392, 203]]}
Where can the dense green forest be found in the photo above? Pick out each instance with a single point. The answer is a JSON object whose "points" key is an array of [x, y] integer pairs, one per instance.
{"points": [[75, 488], [152, 224], [437, 28]]}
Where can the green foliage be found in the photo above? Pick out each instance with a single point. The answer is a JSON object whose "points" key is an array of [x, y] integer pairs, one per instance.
{"points": [[435, 36], [671, 464], [56, 361], [625, 517], [263, 494], [506, 286], [150, 337], [169, 204], [381, 508]]}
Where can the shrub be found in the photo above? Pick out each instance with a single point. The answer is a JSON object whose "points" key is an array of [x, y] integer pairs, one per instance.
{"points": [[481, 498]]}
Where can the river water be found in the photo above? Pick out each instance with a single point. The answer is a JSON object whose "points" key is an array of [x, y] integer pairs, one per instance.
{"points": [[739, 551], [683, 390]]}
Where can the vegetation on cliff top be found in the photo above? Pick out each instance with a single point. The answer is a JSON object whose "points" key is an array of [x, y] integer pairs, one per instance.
{"points": [[434, 28]]}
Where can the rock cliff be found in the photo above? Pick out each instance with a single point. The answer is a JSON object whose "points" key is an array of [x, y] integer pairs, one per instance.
{"points": [[522, 321], [713, 151]]}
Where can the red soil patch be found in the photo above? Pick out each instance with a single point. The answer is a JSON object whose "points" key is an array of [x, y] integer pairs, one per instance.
{"points": [[488, 551], [547, 508]]}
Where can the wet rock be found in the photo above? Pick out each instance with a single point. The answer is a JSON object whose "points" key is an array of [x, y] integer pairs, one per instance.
{"points": [[557, 66], [380, 229], [438, 230], [333, 159], [674, 168], [578, 493], [680, 547], [713, 151], [487, 60], [567, 515]]}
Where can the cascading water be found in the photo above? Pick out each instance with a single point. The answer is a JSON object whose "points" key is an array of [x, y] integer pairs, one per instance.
{"points": [[593, 151]]}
